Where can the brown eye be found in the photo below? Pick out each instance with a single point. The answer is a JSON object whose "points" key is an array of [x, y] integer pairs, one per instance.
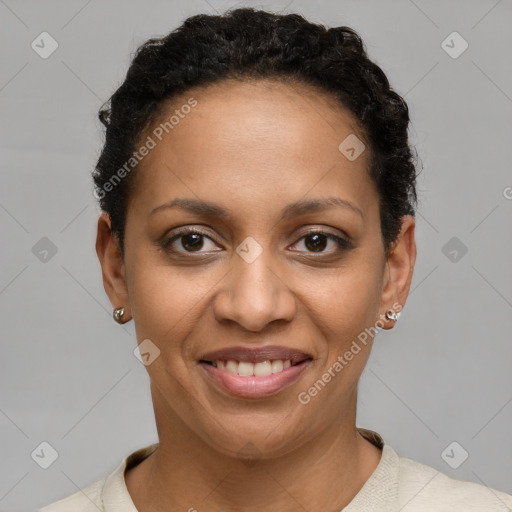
{"points": [[189, 241], [318, 241], [192, 241]]}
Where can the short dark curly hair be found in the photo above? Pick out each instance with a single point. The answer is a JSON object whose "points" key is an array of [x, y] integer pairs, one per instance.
{"points": [[245, 44]]}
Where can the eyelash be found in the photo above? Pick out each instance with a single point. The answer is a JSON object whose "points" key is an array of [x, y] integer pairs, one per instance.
{"points": [[342, 243]]}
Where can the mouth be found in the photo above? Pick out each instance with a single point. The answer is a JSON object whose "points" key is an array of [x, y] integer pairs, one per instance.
{"points": [[248, 369], [255, 373]]}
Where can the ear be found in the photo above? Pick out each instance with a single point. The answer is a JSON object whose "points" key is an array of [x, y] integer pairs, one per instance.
{"points": [[112, 265], [399, 268]]}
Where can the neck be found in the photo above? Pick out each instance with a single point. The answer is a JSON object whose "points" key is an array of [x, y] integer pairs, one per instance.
{"points": [[186, 473]]}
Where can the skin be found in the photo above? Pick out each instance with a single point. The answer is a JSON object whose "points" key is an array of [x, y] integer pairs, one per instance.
{"points": [[253, 148]]}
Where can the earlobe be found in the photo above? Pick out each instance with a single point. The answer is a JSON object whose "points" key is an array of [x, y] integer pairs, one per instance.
{"points": [[112, 265], [399, 271]]}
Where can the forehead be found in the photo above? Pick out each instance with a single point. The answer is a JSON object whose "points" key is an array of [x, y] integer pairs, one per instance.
{"points": [[262, 139], [264, 112]]}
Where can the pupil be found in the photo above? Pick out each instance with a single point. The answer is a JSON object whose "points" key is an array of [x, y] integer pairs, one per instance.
{"points": [[195, 244], [318, 243]]}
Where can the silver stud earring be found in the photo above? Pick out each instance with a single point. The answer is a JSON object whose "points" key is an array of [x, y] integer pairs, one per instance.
{"points": [[391, 315], [118, 315]]}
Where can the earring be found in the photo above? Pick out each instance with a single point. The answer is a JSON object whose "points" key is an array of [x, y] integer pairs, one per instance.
{"points": [[118, 315], [391, 315]]}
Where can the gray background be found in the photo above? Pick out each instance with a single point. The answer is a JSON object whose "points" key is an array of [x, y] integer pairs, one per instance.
{"points": [[68, 373]]}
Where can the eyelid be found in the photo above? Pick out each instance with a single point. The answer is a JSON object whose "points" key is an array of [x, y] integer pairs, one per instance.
{"points": [[185, 230]]}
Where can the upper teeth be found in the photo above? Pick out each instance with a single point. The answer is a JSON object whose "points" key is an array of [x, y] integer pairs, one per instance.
{"points": [[247, 369]]}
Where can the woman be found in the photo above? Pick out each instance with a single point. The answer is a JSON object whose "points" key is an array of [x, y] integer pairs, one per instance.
{"points": [[258, 196]]}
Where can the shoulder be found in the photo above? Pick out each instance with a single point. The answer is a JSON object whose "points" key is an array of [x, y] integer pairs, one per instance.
{"points": [[86, 500], [421, 487], [109, 493]]}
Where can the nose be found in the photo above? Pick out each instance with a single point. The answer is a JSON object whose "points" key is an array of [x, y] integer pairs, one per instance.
{"points": [[253, 295]]}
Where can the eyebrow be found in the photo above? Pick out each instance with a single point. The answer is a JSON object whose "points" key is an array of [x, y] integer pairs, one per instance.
{"points": [[206, 208]]}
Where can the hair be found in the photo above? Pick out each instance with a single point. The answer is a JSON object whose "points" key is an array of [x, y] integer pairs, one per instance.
{"points": [[248, 44]]}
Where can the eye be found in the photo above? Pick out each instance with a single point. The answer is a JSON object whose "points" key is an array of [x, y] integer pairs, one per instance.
{"points": [[192, 240], [316, 241], [188, 240]]}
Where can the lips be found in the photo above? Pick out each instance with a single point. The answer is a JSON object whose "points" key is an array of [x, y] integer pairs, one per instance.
{"points": [[254, 372]]}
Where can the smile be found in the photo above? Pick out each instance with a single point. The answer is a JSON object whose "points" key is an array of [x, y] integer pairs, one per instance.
{"points": [[248, 369], [254, 373]]}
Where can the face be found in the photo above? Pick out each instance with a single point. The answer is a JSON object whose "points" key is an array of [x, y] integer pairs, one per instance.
{"points": [[253, 263]]}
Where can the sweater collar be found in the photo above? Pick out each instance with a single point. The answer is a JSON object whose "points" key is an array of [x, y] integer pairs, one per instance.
{"points": [[380, 491]]}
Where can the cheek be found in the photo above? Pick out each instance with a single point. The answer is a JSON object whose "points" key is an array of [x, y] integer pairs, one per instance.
{"points": [[344, 312], [165, 300], [345, 302]]}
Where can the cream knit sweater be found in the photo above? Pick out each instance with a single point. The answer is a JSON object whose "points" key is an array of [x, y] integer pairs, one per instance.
{"points": [[397, 484]]}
